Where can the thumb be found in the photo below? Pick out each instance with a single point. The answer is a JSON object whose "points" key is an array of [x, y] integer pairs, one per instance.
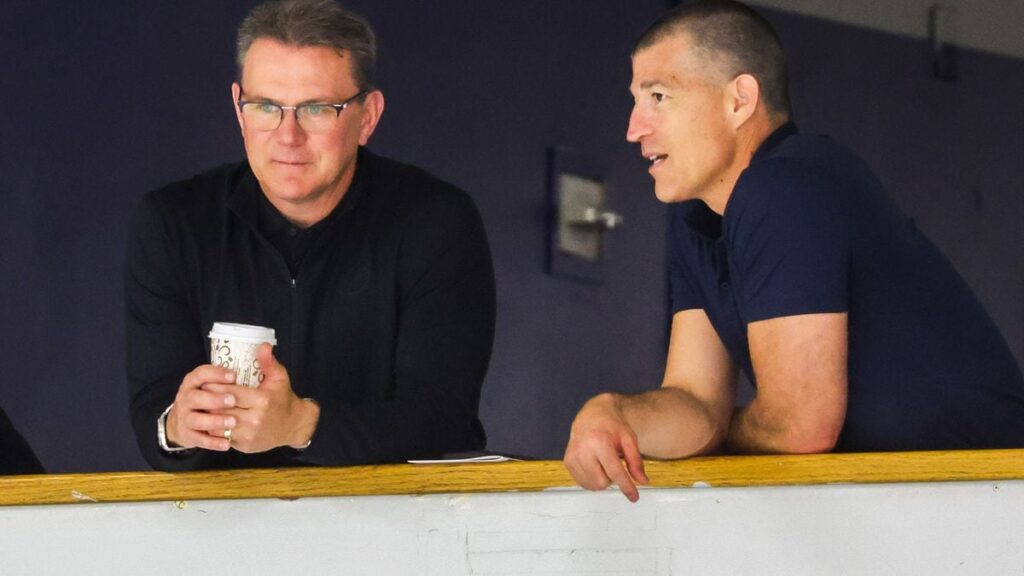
{"points": [[272, 369]]}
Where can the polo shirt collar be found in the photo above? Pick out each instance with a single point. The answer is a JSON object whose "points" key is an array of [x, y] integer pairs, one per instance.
{"points": [[774, 139], [704, 221]]}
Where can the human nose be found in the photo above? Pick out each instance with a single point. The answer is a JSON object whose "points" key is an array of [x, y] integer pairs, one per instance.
{"points": [[638, 125], [289, 130]]}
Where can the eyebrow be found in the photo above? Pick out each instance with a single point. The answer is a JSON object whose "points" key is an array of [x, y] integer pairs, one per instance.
{"points": [[649, 84], [257, 98], [652, 83]]}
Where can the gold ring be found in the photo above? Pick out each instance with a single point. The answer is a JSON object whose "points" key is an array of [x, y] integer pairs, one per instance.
{"points": [[227, 434]]}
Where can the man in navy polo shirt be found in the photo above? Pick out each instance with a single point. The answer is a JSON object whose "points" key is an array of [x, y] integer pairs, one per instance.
{"points": [[788, 262]]}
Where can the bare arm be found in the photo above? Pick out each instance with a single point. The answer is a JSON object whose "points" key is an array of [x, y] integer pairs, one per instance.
{"points": [[801, 368], [688, 415]]}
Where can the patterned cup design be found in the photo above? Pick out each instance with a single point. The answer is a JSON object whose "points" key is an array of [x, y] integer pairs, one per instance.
{"points": [[234, 346], [239, 357]]}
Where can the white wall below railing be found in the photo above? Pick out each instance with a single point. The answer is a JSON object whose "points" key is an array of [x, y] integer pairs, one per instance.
{"points": [[933, 528]]}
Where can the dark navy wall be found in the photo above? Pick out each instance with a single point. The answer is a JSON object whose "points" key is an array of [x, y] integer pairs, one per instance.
{"points": [[103, 101]]}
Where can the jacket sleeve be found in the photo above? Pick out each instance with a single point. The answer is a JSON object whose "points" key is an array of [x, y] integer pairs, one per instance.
{"points": [[16, 456], [164, 341]]}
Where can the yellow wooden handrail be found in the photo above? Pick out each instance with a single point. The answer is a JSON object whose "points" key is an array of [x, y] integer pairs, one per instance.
{"points": [[719, 471]]}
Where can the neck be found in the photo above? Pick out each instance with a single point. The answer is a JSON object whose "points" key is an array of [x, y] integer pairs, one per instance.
{"points": [[749, 138]]}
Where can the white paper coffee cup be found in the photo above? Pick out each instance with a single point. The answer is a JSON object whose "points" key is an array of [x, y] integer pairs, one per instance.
{"points": [[233, 346]]}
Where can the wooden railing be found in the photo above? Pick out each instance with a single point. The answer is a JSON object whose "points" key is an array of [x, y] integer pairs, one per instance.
{"points": [[724, 471]]}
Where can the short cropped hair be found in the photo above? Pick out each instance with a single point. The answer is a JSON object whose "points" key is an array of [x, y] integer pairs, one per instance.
{"points": [[312, 23], [734, 40]]}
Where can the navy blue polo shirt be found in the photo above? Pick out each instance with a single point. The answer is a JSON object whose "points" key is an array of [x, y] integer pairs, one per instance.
{"points": [[810, 229]]}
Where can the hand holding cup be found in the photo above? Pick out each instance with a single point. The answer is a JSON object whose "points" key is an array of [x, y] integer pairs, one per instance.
{"points": [[197, 418]]}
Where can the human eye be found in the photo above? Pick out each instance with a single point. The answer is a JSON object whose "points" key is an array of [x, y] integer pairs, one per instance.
{"points": [[658, 97], [315, 109], [266, 108]]}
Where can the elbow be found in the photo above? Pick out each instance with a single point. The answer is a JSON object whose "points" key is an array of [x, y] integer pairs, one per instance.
{"points": [[706, 436], [815, 437], [715, 437], [811, 429], [693, 442]]}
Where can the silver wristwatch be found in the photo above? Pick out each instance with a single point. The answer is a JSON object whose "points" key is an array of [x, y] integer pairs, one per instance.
{"points": [[161, 434]]}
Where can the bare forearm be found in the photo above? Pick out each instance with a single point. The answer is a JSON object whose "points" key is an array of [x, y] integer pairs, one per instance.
{"points": [[670, 423], [666, 423]]}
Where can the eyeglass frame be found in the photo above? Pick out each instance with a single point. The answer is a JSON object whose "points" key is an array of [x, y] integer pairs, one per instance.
{"points": [[338, 108]]}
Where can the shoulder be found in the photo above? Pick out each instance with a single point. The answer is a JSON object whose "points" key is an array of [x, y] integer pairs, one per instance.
{"points": [[413, 192], [805, 176], [198, 193], [185, 207], [795, 166], [806, 167], [806, 189]]}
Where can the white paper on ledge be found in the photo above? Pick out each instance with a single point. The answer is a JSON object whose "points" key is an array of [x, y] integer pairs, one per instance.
{"points": [[482, 458]]}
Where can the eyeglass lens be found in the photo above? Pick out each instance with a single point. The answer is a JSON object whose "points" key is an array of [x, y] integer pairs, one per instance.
{"points": [[265, 116]]}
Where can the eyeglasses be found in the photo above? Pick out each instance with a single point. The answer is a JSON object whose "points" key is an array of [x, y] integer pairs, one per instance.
{"points": [[314, 118]]}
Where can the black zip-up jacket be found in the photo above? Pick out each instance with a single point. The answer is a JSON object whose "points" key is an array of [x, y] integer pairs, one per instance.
{"points": [[387, 322], [16, 456]]}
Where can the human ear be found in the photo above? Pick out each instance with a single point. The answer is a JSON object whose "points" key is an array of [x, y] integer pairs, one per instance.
{"points": [[372, 109], [744, 97], [236, 93]]}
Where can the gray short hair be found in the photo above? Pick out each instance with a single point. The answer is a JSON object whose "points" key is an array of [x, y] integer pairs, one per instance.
{"points": [[735, 40], [312, 23]]}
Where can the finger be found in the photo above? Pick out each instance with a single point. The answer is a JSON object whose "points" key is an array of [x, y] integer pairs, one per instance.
{"points": [[589, 474], [207, 373], [634, 460], [584, 461], [613, 467], [211, 442], [243, 419], [214, 424], [206, 400], [576, 474], [245, 437], [571, 461], [243, 397], [204, 440]]}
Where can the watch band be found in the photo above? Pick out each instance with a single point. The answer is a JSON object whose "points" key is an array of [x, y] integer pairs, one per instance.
{"points": [[161, 434]]}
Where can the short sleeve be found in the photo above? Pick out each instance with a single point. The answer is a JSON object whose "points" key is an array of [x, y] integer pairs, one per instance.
{"points": [[789, 242]]}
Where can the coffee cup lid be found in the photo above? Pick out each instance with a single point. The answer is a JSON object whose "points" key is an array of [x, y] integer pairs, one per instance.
{"points": [[243, 333]]}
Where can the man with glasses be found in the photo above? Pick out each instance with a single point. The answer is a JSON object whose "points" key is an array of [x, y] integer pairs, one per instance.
{"points": [[376, 276]]}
